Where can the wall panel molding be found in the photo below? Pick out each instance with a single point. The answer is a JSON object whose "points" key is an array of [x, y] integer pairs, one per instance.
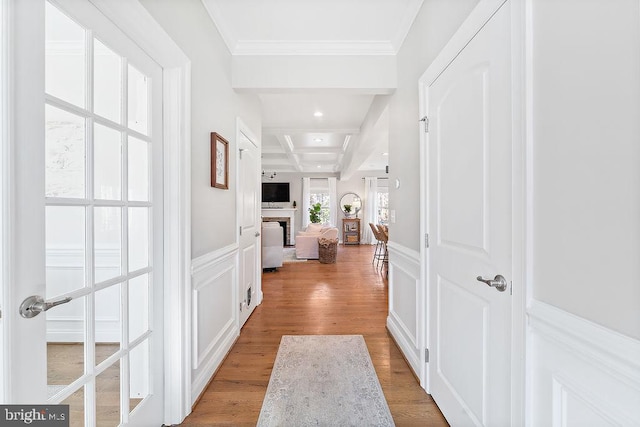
{"points": [[214, 312], [405, 294], [580, 373]]}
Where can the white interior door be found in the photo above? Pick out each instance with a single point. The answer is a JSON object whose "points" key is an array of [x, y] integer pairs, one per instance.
{"points": [[249, 216], [469, 222], [87, 218]]}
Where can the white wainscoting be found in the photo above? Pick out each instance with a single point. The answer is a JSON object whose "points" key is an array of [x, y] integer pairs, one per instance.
{"points": [[404, 296], [214, 302], [580, 373]]}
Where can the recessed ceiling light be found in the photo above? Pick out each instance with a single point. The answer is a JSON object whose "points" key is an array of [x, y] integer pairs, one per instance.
{"points": [[385, 154], [317, 140], [318, 114], [319, 166]]}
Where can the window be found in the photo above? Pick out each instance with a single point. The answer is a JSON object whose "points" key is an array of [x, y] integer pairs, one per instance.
{"points": [[382, 205], [320, 194]]}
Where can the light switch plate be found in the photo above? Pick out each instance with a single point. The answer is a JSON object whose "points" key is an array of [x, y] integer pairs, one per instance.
{"points": [[393, 216]]}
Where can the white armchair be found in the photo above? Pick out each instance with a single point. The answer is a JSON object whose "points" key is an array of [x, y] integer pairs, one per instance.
{"points": [[307, 241], [272, 245]]}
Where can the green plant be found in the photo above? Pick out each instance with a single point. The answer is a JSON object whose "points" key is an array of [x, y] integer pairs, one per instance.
{"points": [[347, 208], [314, 213]]}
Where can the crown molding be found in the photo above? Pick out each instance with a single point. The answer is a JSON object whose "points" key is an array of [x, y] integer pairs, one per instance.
{"points": [[413, 8], [313, 47], [219, 22]]}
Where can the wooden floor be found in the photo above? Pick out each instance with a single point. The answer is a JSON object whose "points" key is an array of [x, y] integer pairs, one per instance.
{"points": [[309, 298]]}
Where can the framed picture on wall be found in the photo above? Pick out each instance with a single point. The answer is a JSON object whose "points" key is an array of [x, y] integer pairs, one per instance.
{"points": [[219, 161]]}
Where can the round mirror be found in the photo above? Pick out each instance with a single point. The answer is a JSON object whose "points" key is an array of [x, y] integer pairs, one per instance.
{"points": [[350, 204]]}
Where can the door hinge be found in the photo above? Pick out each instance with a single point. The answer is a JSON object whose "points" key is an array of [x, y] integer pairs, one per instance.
{"points": [[425, 119], [241, 150], [510, 288], [240, 228], [426, 355], [426, 240]]}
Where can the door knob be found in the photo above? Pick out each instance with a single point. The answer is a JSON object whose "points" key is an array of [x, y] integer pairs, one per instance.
{"points": [[498, 282], [257, 234], [35, 304]]}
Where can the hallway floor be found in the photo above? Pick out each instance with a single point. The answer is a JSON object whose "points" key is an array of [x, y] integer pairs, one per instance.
{"points": [[309, 298]]}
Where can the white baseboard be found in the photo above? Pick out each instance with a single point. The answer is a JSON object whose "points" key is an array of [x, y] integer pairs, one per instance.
{"points": [[579, 372], [404, 311], [209, 366]]}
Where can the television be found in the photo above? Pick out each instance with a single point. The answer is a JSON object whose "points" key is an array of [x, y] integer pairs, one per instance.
{"points": [[275, 192]]}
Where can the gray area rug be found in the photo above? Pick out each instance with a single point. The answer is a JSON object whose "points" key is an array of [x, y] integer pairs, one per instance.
{"points": [[324, 380]]}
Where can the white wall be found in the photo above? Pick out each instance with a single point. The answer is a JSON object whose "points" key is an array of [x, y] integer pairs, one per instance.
{"points": [[436, 22], [321, 72], [585, 161], [214, 108], [584, 311]]}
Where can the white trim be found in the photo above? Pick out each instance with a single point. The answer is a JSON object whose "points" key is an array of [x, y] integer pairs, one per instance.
{"points": [[244, 309], [177, 240], [203, 262], [138, 24], [4, 194], [220, 23], [610, 351], [520, 215], [521, 188], [226, 339], [581, 370], [409, 16], [407, 261], [313, 47], [206, 270], [467, 31]]}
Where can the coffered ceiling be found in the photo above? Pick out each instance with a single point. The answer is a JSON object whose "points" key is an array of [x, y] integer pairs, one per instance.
{"points": [[293, 138]]}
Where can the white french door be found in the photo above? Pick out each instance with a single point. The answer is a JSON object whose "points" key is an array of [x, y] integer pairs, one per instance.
{"points": [[87, 220], [469, 202]]}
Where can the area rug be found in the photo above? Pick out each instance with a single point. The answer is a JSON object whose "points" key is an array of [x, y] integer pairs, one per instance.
{"points": [[290, 256], [324, 380]]}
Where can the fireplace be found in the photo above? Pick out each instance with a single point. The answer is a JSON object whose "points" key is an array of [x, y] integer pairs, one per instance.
{"points": [[286, 218], [286, 228]]}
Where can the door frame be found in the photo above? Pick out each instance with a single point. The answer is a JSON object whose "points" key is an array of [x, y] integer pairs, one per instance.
{"points": [[243, 129], [521, 189], [138, 24]]}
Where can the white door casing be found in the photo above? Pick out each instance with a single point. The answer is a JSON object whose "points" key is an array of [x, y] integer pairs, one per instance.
{"points": [[467, 176], [249, 288], [28, 382]]}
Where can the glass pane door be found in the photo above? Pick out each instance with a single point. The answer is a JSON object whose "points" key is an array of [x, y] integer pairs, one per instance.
{"points": [[102, 233]]}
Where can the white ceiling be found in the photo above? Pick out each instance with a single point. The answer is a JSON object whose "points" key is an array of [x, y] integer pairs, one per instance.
{"points": [[292, 138]]}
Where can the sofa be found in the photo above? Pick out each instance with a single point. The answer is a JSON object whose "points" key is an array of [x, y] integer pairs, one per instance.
{"points": [[307, 240], [272, 245]]}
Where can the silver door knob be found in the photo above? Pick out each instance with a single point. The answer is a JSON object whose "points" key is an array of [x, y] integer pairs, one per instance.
{"points": [[498, 282], [257, 234], [35, 304]]}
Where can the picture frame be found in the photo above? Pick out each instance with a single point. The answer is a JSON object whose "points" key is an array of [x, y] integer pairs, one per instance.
{"points": [[219, 161]]}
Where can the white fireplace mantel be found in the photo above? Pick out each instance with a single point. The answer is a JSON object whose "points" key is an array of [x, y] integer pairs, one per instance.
{"points": [[283, 213]]}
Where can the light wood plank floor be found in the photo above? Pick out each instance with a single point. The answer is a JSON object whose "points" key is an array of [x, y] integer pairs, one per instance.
{"points": [[309, 298]]}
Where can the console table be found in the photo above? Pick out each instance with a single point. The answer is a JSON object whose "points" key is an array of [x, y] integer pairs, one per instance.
{"points": [[350, 231], [286, 216]]}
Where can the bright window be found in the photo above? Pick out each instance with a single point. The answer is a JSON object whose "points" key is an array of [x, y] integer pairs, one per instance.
{"points": [[382, 205], [320, 194]]}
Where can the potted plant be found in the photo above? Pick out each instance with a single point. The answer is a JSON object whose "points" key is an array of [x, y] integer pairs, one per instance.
{"points": [[314, 213], [347, 210]]}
